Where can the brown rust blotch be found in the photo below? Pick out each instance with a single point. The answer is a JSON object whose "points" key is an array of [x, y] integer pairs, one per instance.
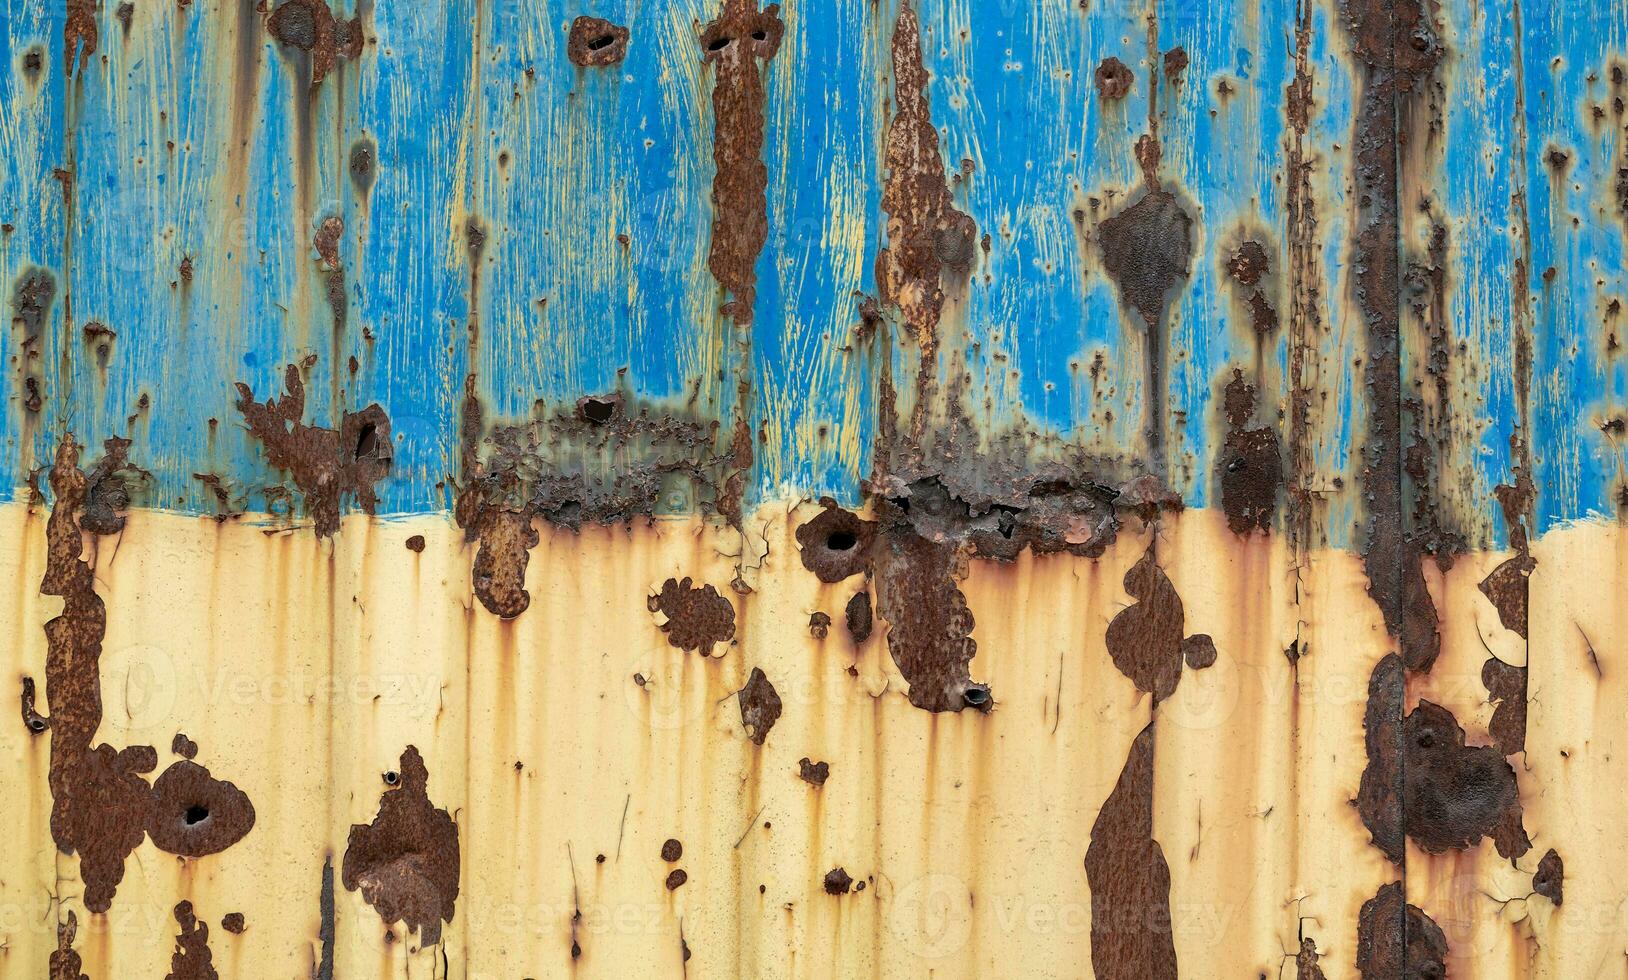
{"points": [[1506, 685], [929, 623], [1129, 880], [813, 773], [595, 42], [415, 544], [194, 814], [79, 34], [697, 617], [1454, 795], [406, 862], [1305, 962], [65, 963], [310, 26], [1506, 588], [671, 850], [327, 464], [1550, 879], [858, 614], [736, 44], [1379, 795], [499, 572], [191, 959], [1175, 64], [929, 240], [234, 923], [838, 882], [819, 625], [184, 747], [836, 544], [1398, 940], [1252, 471], [760, 706], [1114, 78], [676, 879], [1146, 639], [1148, 249]]}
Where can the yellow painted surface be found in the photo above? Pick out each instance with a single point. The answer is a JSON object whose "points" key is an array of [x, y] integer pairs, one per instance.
{"points": [[303, 668]]}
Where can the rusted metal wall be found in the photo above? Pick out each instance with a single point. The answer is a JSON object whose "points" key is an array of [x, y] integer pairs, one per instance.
{"points": [[876, 488]]}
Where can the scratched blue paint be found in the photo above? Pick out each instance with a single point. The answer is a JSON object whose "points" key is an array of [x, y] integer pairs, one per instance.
{"points": [[593, 190]]}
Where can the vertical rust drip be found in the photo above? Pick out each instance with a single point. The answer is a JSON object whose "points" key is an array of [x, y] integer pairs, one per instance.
{"points": [[1129, 879], [1305, 284]]}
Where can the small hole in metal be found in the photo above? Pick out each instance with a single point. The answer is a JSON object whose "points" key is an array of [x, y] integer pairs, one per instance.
{"points": [[841, 540], [392, 777], [196, 814]]}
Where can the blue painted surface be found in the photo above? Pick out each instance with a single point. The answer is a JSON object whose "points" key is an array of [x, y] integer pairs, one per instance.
{"points": [[477, 114]]}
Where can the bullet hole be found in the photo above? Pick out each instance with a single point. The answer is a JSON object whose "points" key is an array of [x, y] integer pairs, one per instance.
{"points": [[392, 778], [195, 815], [32, 719], [977, 696], [676, 879], [671, 850], [640, 680], [760, 35], [596, 43], [836, 543], [367, 441], [841, 541], [415, 544], [602, 41], [598, 410], [719, 44], [37, 725]]}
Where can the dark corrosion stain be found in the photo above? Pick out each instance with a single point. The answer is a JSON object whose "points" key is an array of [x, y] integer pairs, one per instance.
{"points": [[192, 959], [1145, 639], [1550, 879], [1305, 962], [499, 572], [1397, 941], [1114, 78], [1508, 585], [735, 44], [327, 464], [234, 923], [194, 814], [697, 617], [1379, 796], [363, 161], [819, 625], [1148, 248], [671, 850], [676, 879], [32, 297], [1252, 474], [310, 26], [599, 409], [836, 543], [325, 927], [929, 622], [760, 706], [99, 800], [929, 240], [1506, 685], [184, 747], [1129, 879], [99, 337], [1399, 51], [79, 34], [1454, 795], [33, 63], [125, 13], [406, 861], [838, 882], [1175, 64], [327, 238], [859, 617], [36, 723], [813, 773], [1247, 266], [1506, 588], [65, 963], [415, 544], [595, 42]]}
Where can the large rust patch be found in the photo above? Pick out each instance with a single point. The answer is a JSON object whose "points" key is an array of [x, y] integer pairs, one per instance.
{"points": [[1251, 463], [1398, 940], [406, 861], [697, 617], [192, 959], [1130, 882], [1146, 638]]}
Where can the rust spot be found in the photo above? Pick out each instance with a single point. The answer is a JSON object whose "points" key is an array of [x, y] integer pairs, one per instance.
{"points": [[33, 63], [310, 26], [671, 850], [32, 297], [928, 238], [327, 464], [327, 238], [1305, 962], [192, 959], [697, 617], [125, 13], [819, 625], [1114, 78], [1252, 474], [595, 42], [1175, 64], [184, 747], [734, 44], [1395, 939], [813, 773], [1379, 796], [1507, 686], [363, 155], [194, 814], [1454, 795], [836, 543], [838, 882], [1550, 879], [79, 34], [499, 572], [233, 923], [1506, 588], [1145, 639], [65, 963], [415, 544], [859, 617], [36, 723], [760, 706], [406, 861], [1248, 265], [1129, 879], [676, 879]]}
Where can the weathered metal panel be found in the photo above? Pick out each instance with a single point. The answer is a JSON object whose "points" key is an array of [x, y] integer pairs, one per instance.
{"points": [[924, 487]]}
